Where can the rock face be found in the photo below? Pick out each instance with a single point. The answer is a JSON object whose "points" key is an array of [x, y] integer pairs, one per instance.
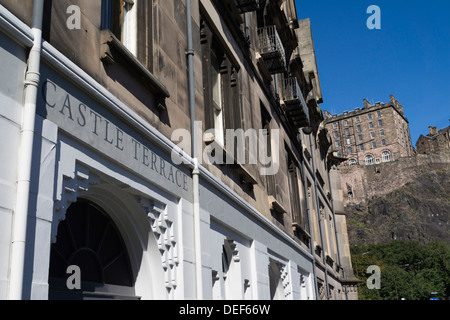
{"points": [[418, 211]]}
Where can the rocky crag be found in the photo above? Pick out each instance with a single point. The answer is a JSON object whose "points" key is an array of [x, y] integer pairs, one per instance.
{"points": [[417, 211]]}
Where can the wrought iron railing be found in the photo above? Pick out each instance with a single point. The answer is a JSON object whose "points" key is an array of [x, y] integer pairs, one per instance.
{"points": [[295, 103], [291, 90], [271, 49]]}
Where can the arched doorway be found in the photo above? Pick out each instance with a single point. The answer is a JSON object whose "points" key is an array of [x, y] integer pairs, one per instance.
{"points": [[89, 239]]}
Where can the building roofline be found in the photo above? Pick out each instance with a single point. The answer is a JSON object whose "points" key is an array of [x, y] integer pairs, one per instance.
{"points": [[359, 111]]}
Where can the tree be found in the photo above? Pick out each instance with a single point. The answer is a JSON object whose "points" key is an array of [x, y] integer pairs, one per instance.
{"points": [[409, 270]]}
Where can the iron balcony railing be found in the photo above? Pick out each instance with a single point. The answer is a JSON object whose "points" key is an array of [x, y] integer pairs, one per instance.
{"points": [[294, 102], [247, 5], [271, 49]]}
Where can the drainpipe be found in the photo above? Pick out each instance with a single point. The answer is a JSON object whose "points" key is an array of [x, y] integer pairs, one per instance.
{"points": [[318, 215], [308, 211], [335, 231], [32, 78], [195, 172]]}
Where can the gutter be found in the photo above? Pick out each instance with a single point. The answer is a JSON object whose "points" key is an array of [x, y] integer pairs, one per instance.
{"points": [[196, 171], [318, 216], [20, 217], [335, 233], [308, 212]]}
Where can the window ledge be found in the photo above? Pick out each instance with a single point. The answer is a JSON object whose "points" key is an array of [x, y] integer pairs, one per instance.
{"points": [[276, 206], [329, 260], [110, 43], [298, 228], [245, 176]]}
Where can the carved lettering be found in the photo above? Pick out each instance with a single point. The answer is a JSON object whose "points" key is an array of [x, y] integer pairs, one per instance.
{"points": [[103, 134]]}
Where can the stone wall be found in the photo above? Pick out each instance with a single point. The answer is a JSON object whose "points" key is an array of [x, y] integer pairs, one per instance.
{"points": [[360, 183]]}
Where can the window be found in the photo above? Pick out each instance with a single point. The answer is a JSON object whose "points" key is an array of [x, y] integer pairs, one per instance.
{"points": [[119, 16], [358, 119], [347, 132], [361, 147], [335, 125], [266, 120], [350, 150], [369, 116], [216, 85], [130, 22], [338, 153], [374, 144], [368, 160], [379, 114], [386, 156], [370, 125], [383, 142], [348, 141], [358, 128], [360, 138], [381, 133], [380, 123], [220, 86], [372, 135], [337, 144], [346, 123], [103, 259], [352, 161], [294, 191], [336, 134]]}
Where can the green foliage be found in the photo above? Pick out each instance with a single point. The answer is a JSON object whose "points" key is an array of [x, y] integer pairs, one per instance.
{"points": [[409, 270]]}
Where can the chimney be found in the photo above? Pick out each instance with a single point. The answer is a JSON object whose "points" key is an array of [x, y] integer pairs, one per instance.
{"points": [[367, 104], [433, 131]]}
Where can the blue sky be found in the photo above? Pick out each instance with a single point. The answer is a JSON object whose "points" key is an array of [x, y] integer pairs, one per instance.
{"points": [[409, 57]]}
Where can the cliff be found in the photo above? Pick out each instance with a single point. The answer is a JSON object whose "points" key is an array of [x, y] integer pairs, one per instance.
{"points": [[419, 211]]}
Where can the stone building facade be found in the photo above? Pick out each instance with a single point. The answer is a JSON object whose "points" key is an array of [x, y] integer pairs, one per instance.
{"points": [[372, 134], [435, 141], [165, 149]]}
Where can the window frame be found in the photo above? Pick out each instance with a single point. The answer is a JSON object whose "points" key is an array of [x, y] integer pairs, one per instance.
{"points": [[231, 115], [369, 160], [386, 156]]}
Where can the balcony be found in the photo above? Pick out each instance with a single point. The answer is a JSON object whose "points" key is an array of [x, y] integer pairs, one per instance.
{"points": [[271, 49], [294, 103], [247, 5]]}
